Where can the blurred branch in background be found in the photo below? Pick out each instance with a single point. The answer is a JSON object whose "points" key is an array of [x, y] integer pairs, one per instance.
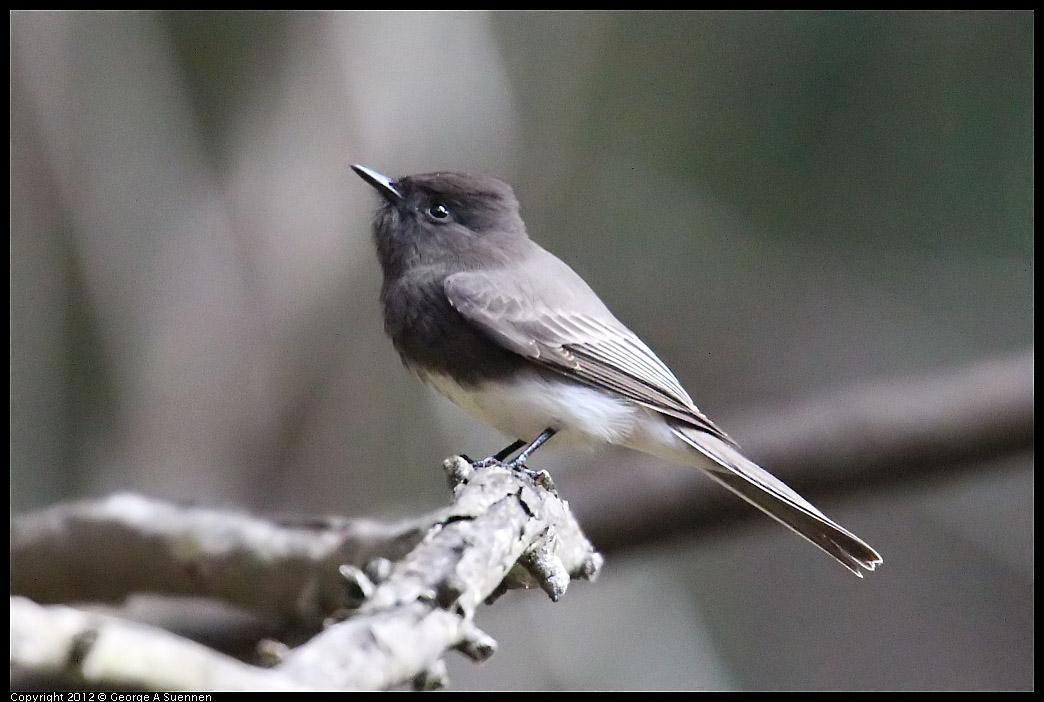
{"points": [[864, 438]]}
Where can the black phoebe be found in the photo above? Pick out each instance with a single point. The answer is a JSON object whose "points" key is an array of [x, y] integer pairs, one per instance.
{"points": [[516, 338]]}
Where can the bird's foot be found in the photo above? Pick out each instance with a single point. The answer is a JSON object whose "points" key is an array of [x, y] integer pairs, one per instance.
{"points": [[540, 477], [487, 462], [520, 467]]}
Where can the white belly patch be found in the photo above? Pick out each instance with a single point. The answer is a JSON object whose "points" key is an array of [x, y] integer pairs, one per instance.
{"points": [[526, 408]]}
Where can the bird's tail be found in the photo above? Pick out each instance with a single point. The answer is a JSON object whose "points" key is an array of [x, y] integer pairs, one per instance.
{"points": [[769, 494]]}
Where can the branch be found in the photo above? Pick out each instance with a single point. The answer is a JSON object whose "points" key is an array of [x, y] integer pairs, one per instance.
{"points": [[103, 551], [848, 442], [900, 431], [505, 529], [86, 649], [505, 526]]}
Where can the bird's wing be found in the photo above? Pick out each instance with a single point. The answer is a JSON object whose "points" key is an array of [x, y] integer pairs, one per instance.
{"points": [[570, 331]]}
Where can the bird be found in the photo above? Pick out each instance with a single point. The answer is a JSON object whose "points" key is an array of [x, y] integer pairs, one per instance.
{"points": [[517, 339]]}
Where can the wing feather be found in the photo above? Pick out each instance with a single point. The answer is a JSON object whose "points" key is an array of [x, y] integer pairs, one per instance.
{"points": [[590, 346]]}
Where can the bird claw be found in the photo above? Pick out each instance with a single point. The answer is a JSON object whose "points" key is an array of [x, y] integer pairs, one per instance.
{"points": [[515, 465], [541, 477], [520, 467], [487, 462]]}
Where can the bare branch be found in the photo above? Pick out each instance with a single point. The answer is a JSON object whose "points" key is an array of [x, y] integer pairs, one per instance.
{"points": [[103, 551], [408, 592], [63, 644], [426, 605], [406, 616]]}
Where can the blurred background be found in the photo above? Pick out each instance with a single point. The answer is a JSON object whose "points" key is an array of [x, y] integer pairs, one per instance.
{"points": [[784, 205]]}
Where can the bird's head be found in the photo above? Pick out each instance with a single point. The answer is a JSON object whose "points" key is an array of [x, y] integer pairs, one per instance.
{"points": [[443, 217]]}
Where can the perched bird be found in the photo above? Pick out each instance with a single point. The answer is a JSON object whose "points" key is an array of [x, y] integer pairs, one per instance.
{"points": [[516, 338]]}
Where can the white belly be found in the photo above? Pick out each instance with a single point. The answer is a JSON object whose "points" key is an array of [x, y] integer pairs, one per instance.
{"points": [[580, 414], [523, 410]]}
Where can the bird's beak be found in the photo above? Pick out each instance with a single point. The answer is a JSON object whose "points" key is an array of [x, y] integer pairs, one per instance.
{"points": [[382, 184]]}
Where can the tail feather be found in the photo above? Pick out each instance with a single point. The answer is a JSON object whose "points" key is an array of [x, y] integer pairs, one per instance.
{"points": [[769, 494]]}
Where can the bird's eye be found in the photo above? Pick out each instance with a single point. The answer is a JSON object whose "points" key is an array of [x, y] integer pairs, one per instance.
{"points": [[438, 211]]}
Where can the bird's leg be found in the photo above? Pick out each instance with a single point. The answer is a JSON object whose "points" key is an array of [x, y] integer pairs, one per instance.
{"points": [[509, 449], [497, 459], [520, 460], [519, 463]]}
